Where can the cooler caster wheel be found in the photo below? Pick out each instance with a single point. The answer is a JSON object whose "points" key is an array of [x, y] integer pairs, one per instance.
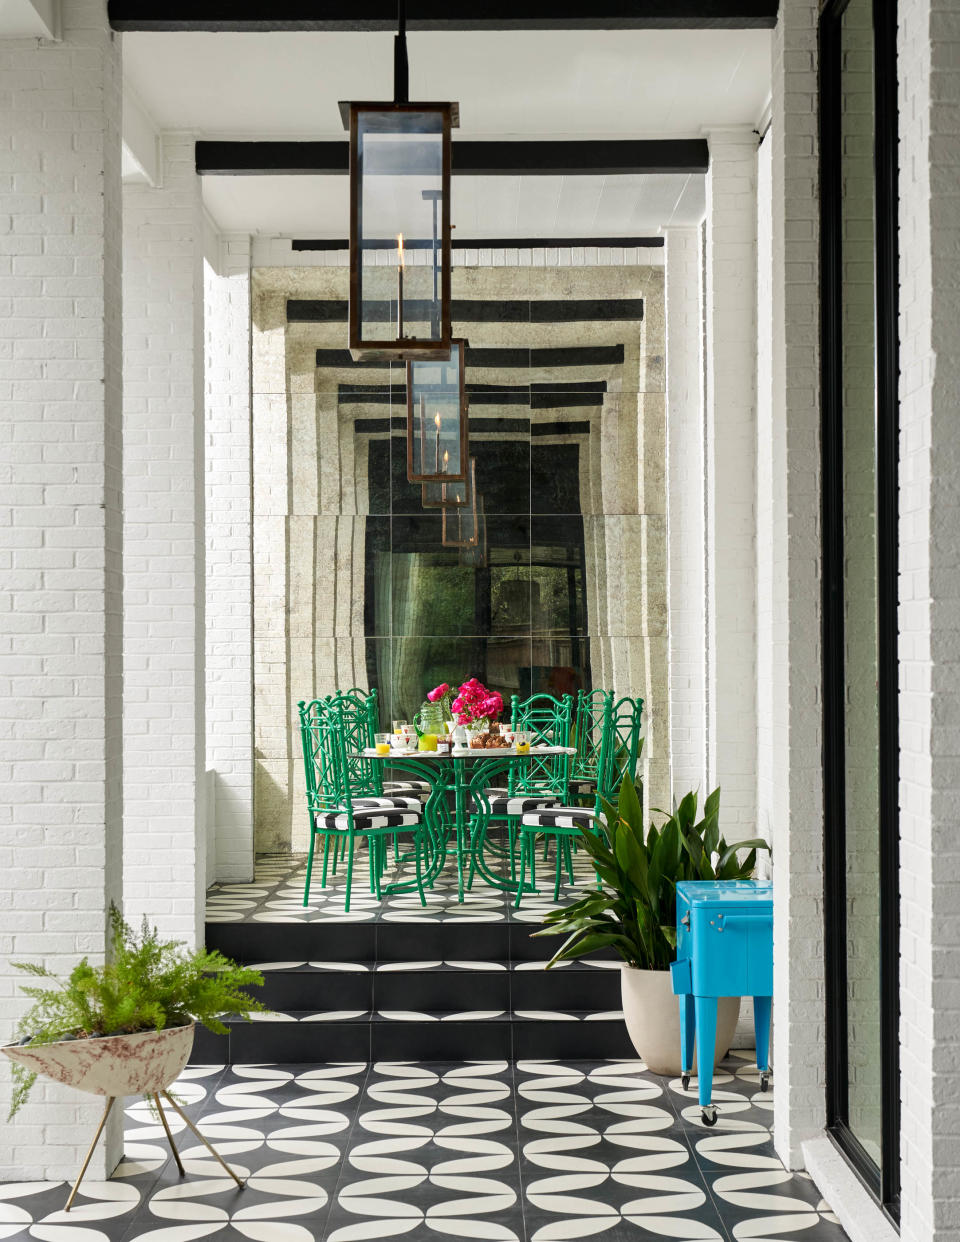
{"points": [[764, 1081], [708, 1115], [685, 1081]]}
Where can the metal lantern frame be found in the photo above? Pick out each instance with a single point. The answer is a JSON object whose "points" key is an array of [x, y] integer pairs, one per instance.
{"points": [[400, 348], [463, 412], [462, 490], [476, 558], [448, 538]]}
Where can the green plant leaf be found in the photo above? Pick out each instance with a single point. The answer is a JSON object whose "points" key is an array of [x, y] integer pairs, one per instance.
{"points": [[628, 805], [754, 843], [631, 857], [595, 847], [687, 810], [588, 944], [710, 831]]}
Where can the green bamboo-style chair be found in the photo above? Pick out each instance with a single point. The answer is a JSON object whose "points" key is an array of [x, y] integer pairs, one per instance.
{"points": [[593, 727], [623, 747], [614, 756], [339, 807], [541, 781]]}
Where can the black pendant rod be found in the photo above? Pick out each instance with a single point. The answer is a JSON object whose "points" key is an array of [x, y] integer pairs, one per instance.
{"points": [[401, 67]]}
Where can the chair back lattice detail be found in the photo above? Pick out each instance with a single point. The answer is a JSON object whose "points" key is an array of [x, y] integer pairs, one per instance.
{"points": [[360, 713], [623, 750], [549, 720], [592, 733], [324, 757], [333, 729]]}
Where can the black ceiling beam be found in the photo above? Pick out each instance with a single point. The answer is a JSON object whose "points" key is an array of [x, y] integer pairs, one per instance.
{"points": [[491, 243], [254, 16], [478, 310], [476, 159]]}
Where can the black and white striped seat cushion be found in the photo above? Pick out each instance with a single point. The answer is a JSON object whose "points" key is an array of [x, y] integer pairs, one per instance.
{"points": [[560, 817], [519, 804], [583, 788], [394, 802], [369, 817], [409, 789]]}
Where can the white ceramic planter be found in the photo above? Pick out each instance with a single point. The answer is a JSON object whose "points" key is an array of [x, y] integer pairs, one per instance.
{"points": [[652, 1014], [140, 1064]]}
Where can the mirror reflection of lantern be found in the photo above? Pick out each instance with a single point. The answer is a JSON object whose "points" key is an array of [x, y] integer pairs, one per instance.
{"points": [[400, 286]]}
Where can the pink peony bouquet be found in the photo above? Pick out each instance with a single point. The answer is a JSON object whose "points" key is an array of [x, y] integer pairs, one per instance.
{"points": [[475, 704]]}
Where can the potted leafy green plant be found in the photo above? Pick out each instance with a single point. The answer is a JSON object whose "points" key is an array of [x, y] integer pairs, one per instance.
{"points": [[126, 1027], [635, 912]]}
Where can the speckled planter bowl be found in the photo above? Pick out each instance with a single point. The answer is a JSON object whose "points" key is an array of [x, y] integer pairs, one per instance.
{"points": [[140, 1064]]}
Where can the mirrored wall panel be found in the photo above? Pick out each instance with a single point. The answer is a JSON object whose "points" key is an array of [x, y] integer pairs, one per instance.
{"points": [[543, 570]]}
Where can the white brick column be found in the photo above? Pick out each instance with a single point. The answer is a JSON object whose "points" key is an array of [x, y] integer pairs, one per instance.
{"points": [[929, 63], [731, 351], [229, 588], [791, 793], [163, 595], [60, 572], [686, 548]]}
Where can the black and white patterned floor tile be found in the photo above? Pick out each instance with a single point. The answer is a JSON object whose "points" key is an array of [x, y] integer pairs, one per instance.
{"points": [[542, 1151], [276, 896]]}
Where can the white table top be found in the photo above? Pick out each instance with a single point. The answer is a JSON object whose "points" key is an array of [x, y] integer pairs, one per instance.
{"points": [[494, 752]]}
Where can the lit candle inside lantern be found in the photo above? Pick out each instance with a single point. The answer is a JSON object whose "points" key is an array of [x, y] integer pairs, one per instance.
{"points": [[446, 461], [400, 286], [436, 457]]}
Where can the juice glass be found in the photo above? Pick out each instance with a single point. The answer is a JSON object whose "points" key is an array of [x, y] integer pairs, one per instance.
{"points": [[382, 741], [522, 743]]}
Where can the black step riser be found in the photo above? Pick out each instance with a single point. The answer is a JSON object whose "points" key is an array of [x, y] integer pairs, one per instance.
{"points": [[316, 1042], [382, 942], [427, 991]]}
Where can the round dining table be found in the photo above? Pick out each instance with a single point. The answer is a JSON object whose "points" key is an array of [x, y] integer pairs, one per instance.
{"points": [[466, 774]]}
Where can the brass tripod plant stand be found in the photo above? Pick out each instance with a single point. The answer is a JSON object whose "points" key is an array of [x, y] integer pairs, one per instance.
{"points": [[115, 1066]]}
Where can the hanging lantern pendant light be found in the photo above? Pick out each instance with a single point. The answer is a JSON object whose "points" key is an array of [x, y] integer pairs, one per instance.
{"points": [[437, 418], [399, 203]]}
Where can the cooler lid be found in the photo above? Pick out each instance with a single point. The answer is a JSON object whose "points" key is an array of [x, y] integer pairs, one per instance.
{"points": [[725, 892]]}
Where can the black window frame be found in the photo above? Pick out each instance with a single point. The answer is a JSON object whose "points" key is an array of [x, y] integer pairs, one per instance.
{"points": [[883, 1182]]}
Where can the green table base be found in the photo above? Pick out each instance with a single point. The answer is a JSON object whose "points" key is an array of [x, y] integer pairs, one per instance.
{"points": [[468, 828]]}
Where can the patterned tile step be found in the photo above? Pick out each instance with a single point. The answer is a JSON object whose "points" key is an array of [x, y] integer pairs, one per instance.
{"points": [[381, 942], [539, 1151], [397, 1034], [433, 985]]}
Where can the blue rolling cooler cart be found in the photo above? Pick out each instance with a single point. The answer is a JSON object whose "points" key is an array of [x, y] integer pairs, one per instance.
{"points": [[724, 948]]}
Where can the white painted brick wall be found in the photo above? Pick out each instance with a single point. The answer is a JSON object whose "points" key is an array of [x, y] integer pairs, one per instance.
{"points": [[685, 510], [163, 594], [229, 589], [929, 71], [790, 795], [731, 348], [60, 540], [770, 464]]}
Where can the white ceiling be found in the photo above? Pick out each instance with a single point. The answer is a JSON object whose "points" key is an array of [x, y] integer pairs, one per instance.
{"points": [[563, 83], [510, 84], [482, 207]]}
